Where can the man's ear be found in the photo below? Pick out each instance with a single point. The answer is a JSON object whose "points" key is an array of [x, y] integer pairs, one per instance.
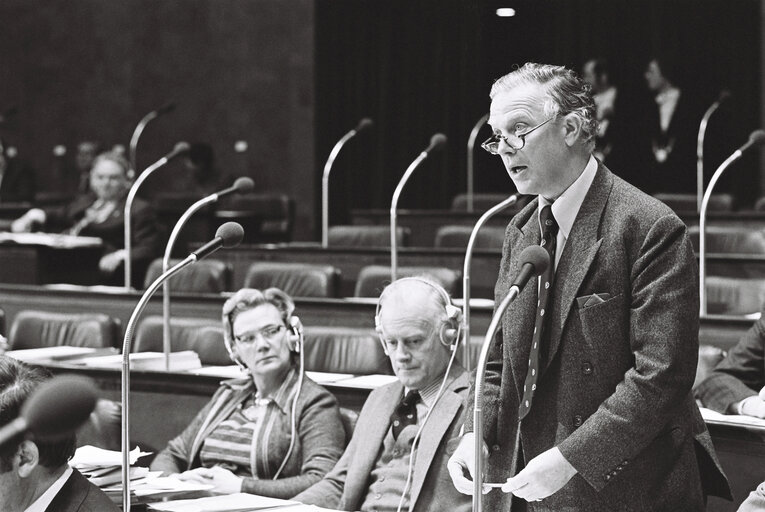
{"points": [[572, 125], [28, 457]]}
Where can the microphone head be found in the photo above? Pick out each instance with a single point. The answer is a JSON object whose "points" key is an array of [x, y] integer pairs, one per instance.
{"points": [[231, 233], [59, 406], [166, 108], [757, 137], [437, 141], [536, 256], [243, 185], [181, 147], [724, 95], [364, 124]]}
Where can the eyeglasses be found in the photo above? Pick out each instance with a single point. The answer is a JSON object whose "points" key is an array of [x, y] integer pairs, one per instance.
{"points": [[268, 333], [516, 141]]}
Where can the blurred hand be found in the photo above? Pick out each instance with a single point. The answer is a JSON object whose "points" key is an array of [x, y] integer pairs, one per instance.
{"points": [[223, 480], [462, 460], [752, 406], [26, 222], [543, 476], [110, 262], [3, 344]]}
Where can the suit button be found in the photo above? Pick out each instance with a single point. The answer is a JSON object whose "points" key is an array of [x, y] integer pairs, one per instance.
{"points": [[624, 462], [578, 421], [495, 448], [587, 368], [608, 477], [619, 468]]}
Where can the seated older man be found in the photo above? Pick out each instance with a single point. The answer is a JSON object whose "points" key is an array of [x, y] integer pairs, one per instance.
{"points": [[34, 475], [406, 431]]}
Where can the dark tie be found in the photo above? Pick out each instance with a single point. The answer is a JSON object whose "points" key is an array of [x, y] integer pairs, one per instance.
{"points": [[405, 413], [549, 234]]}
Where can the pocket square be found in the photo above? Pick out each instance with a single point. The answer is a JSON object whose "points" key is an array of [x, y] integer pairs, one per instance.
{"points": [[591, 300]]}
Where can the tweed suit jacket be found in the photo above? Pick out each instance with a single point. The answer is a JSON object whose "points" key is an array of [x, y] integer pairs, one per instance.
{"points": [[617, 364], [346, 486]]}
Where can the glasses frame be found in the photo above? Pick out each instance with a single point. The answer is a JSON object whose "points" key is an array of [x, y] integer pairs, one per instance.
{"points": [[496, 138], [251, 337]]}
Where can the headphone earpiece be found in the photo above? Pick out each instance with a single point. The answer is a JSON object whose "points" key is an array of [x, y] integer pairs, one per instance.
{"points": [[296, 334]]}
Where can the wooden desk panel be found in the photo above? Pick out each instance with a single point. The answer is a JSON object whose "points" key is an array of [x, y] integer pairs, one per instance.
{"points": [[119, 304]]}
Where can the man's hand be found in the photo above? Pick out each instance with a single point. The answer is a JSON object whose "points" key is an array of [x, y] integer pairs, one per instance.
{"points": [[543, 476], [109, 262], [463, 459], [751, 406], [223, 480]]}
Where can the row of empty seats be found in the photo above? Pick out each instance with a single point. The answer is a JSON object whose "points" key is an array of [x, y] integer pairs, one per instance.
{"points": [[296, 279], [335, 349]]}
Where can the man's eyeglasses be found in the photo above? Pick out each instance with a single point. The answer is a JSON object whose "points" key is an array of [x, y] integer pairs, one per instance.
{"points": [[516, 141], [268, 333]]}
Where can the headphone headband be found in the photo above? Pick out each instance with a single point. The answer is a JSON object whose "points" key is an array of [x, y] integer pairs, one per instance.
{"points": [[449, 333]]}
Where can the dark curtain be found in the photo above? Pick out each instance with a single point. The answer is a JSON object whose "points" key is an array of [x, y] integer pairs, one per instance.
{"points": [[418, 67]]}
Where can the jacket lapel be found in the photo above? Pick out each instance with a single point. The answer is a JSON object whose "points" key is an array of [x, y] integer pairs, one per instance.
{"points": [[443, 415], [371, 435], [577, 257]]}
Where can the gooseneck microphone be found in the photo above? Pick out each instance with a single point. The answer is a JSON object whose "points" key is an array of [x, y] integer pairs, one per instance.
{"points": [[756, 138], [466, 270], [534, 261], [437, 141], [470, 159], [242, 185], [364, 124], [164, 109], [54, 410], [229, 234], [724, 95], [179, 148]]}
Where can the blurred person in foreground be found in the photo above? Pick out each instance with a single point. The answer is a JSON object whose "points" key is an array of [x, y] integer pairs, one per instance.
{"points": [[17, 180], [380, 470], [34, 475], [272, 433], [588, 403], [101, 213]]}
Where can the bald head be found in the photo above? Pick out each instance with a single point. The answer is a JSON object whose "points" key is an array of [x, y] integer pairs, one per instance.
{"points": [[411, 315]]}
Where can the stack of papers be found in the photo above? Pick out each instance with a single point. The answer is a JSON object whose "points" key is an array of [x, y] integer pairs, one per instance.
{"points": [[104, 469], [49, 353]]}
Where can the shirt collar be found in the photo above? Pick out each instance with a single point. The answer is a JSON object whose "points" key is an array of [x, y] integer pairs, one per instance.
{"points": [[286, 391], [565, 208], [428, 393], [46, 498]]}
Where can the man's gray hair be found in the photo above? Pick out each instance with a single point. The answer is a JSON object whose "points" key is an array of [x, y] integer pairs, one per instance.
{"points": [[566, 93]]}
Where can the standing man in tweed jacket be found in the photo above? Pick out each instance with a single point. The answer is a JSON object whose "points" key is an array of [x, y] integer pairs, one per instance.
{"points": [[587, 403]]}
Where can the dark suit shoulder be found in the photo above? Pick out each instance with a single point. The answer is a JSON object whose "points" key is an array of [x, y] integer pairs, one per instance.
{"points": [[79, 495], [628, 203]]}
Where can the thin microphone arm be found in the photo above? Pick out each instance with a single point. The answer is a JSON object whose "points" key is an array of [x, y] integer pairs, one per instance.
{"points": [[169, 107], [466, 272], [191, 258], [128, 235], [470, 157], [363, 124], [436, 141], [700, 147], [478, 397], [755, 138], [166, 348]]}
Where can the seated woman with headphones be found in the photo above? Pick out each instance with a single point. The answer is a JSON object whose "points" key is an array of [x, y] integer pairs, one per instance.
{"points": [[273, 433]]}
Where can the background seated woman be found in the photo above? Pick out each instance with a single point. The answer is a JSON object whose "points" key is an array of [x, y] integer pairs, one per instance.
{"points": [[274, 433]]}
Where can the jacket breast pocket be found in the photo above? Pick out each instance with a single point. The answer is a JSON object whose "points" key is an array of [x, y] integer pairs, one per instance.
{"points": [[605, 323]]}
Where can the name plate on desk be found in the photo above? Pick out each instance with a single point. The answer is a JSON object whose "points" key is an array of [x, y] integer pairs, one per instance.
{"points": [[58, 241]]}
